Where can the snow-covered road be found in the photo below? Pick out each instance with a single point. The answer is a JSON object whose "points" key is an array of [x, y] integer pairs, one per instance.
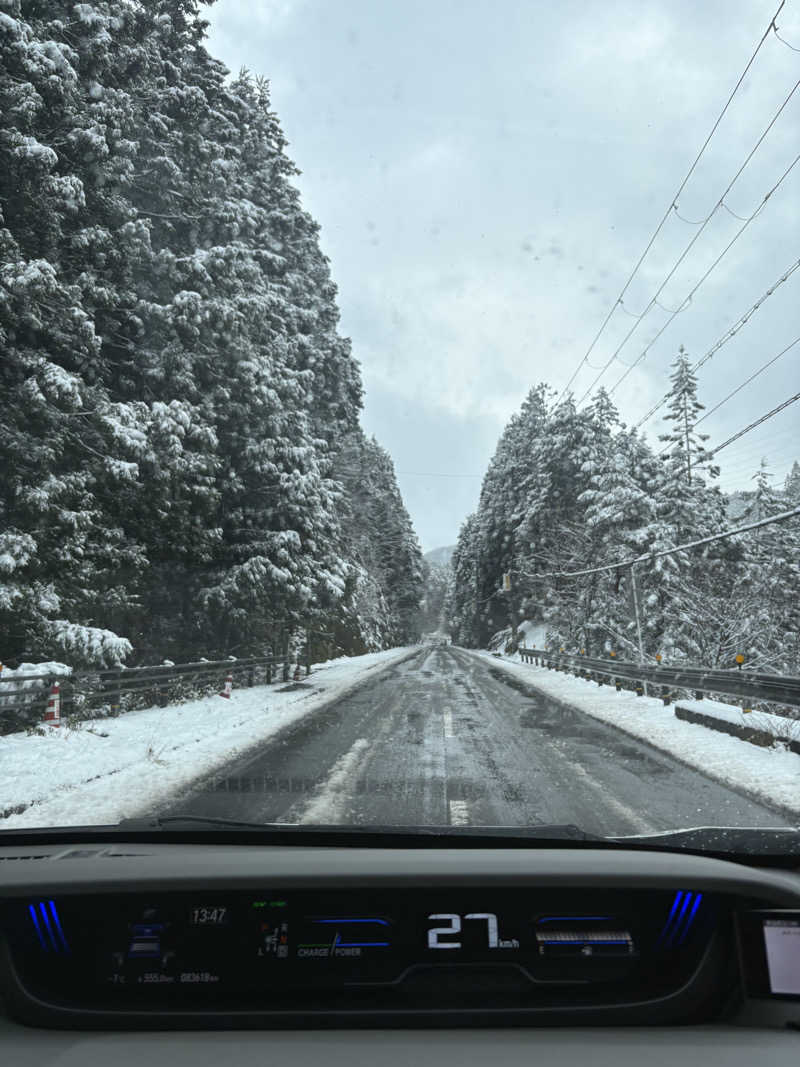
{"points": [[110, 769], [450, 737]]}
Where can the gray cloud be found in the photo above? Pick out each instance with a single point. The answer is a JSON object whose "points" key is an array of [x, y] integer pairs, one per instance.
{"points": [[486, 175]]}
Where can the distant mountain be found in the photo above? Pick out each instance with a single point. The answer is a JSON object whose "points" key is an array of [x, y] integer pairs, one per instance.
{"points": [[442, 556]]}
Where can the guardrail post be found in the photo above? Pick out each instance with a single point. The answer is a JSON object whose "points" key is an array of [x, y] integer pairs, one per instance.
{"points": [[251, 681], [116, 695]]}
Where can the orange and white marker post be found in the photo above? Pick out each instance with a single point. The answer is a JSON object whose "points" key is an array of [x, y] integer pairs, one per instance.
{"points": [[53, 714], [226, 692]]}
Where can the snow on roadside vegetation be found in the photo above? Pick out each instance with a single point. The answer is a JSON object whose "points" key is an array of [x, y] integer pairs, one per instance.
{"points": [[38, 673], [771, 775], [14, 692], [112, 768]]}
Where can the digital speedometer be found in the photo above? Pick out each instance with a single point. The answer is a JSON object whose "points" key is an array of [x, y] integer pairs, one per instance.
{"points": [[457, 933], [269, 946]]}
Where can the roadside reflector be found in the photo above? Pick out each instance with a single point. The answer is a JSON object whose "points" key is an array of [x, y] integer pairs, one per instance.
{"points": [[53, 714]]}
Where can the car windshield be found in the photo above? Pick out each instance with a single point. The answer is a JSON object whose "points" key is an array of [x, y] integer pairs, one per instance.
{"points": [[399, 418]]}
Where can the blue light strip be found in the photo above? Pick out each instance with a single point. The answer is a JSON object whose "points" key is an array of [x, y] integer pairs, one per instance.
{"points": [[690, 920], [57, 921], [679, 923], [383, 922], [573, 918], [675, 905], [35, 918], [46, 917], [681, 916]]}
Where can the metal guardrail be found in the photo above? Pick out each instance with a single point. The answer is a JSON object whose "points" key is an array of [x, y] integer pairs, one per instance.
{"points": [[23, 698], [779, 689]]}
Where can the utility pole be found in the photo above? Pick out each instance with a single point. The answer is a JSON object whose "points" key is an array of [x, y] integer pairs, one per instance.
{"points": [[507, 589], [477, 592], [638, 623]]}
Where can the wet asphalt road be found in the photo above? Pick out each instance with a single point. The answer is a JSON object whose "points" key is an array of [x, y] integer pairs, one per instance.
{"points": [[446, 738]]}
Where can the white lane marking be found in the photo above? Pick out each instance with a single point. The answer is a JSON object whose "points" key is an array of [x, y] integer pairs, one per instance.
{"points": [[610, 801], [448, 723], [429, 662], [327, 805], [458, 812]]}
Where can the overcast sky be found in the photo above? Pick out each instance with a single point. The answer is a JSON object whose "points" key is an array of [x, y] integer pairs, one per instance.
{"points": [[486, 174]]}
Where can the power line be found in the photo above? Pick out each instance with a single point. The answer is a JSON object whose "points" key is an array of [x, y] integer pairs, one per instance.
{"points": [[744, 460], [782, 39], [782, 452], [747, 464], [673, 200], [753, 425], [646, 556], [680, 307], [729, 333], [710, 270], [747, 381]]}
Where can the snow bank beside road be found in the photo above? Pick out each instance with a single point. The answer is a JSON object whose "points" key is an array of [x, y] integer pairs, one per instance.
{"points": [[778, 725], [110, 769], [768, 775]]}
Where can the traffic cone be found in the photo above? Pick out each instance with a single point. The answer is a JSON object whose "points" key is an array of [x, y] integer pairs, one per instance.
{"points": [[228, 687], [53, 714]]}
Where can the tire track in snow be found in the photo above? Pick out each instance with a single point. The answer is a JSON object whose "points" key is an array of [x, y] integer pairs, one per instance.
{"points": [[329, 803]]}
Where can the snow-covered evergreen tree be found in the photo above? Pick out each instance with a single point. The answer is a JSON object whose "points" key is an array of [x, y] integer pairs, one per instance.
{"points": [[791, 486], [464, 602], [385, 584], [175, 387]]}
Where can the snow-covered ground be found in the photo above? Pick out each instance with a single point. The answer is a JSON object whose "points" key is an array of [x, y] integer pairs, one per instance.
{"points": [[768, 774], [532, 634], [111, 769]]}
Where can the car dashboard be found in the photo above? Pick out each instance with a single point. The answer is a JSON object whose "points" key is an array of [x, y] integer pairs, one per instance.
{"points": [[113, 948]]}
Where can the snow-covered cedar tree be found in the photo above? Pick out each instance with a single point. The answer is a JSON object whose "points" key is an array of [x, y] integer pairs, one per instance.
{"points": [[175, 387]]}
